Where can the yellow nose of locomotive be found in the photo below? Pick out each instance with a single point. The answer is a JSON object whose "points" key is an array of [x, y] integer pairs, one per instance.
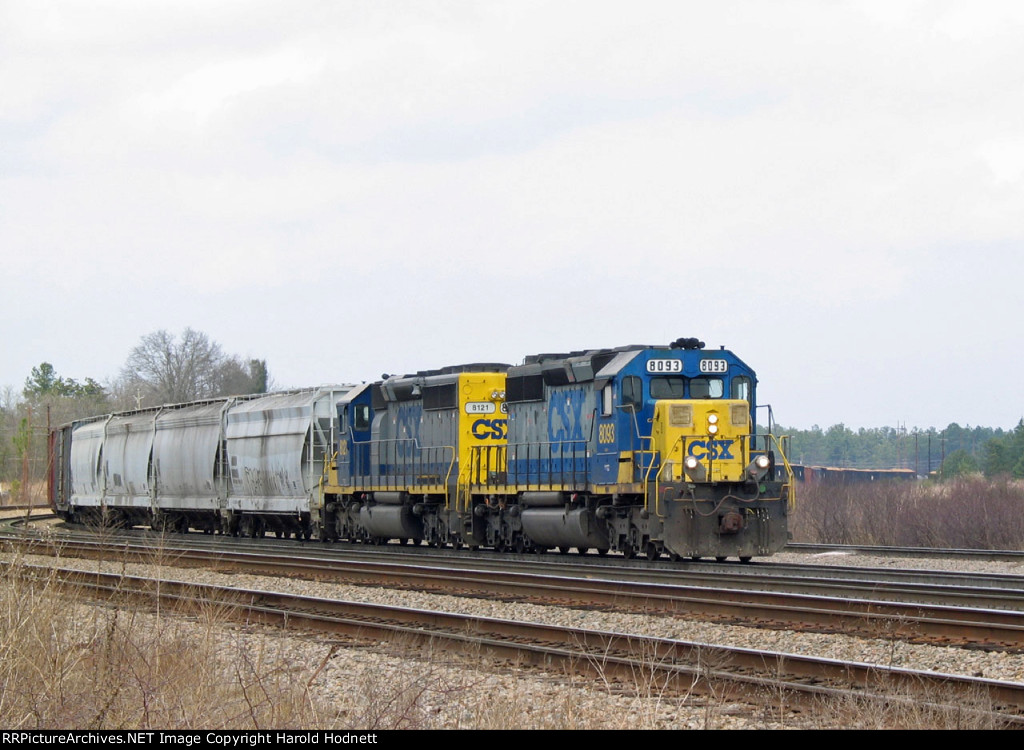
{"points": [[702, 440]]}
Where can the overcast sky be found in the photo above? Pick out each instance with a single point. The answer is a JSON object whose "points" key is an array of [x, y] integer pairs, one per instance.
{"points": [[833, 190]]}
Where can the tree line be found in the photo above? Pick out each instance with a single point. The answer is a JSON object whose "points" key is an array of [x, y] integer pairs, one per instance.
{"points": [[161, 369], [946, 453]]}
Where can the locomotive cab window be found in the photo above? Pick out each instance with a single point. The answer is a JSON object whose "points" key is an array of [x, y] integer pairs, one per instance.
{"points": [[632, 392], [361, 418], [669, 387], [740, 388], [707, 388]]}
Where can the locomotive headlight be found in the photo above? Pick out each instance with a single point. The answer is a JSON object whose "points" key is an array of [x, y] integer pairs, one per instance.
{"points": [[712, 424], [694, 469], [757, 468], [712, 419]]}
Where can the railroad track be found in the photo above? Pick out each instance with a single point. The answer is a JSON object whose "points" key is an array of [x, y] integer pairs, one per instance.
{"points": [[885, 551], [989, 617], [671, 665]]}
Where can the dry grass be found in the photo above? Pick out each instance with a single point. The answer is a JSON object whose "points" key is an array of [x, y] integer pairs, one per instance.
{"points": [[971, 512], [906, 708], [67, 665]]}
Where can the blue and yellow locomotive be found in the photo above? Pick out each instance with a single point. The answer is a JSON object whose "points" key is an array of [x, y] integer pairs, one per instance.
{"points": [[640, 449]]}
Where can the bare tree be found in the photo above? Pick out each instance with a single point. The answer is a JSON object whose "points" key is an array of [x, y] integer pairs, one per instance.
{"points": [[169, 370], [165, 370]]}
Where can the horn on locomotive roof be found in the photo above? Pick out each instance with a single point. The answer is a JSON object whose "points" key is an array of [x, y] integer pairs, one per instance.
{"points": [[684, 343]]}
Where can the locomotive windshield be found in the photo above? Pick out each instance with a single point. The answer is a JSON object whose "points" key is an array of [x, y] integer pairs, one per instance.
{"points": [[707, 388], [674, 386], [671, 386]]}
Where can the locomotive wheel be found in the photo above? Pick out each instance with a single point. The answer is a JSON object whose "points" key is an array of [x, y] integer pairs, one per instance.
{"points": [[652, 551], [520, 545]]}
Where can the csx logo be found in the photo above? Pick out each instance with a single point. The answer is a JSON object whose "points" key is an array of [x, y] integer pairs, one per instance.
{"points": [[490, 429], [713, 449]]}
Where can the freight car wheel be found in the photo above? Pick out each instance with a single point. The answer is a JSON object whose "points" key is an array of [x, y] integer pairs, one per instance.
{"points": [[721, 558], [745, 558], [563, 550], [602, 551]]}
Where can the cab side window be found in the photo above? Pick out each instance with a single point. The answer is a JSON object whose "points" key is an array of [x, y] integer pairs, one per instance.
{"points": [[362, 417], [740, 388], [632, 392]]}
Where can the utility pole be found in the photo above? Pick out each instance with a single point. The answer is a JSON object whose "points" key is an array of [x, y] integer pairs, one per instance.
{"points": [[24, 457]]}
